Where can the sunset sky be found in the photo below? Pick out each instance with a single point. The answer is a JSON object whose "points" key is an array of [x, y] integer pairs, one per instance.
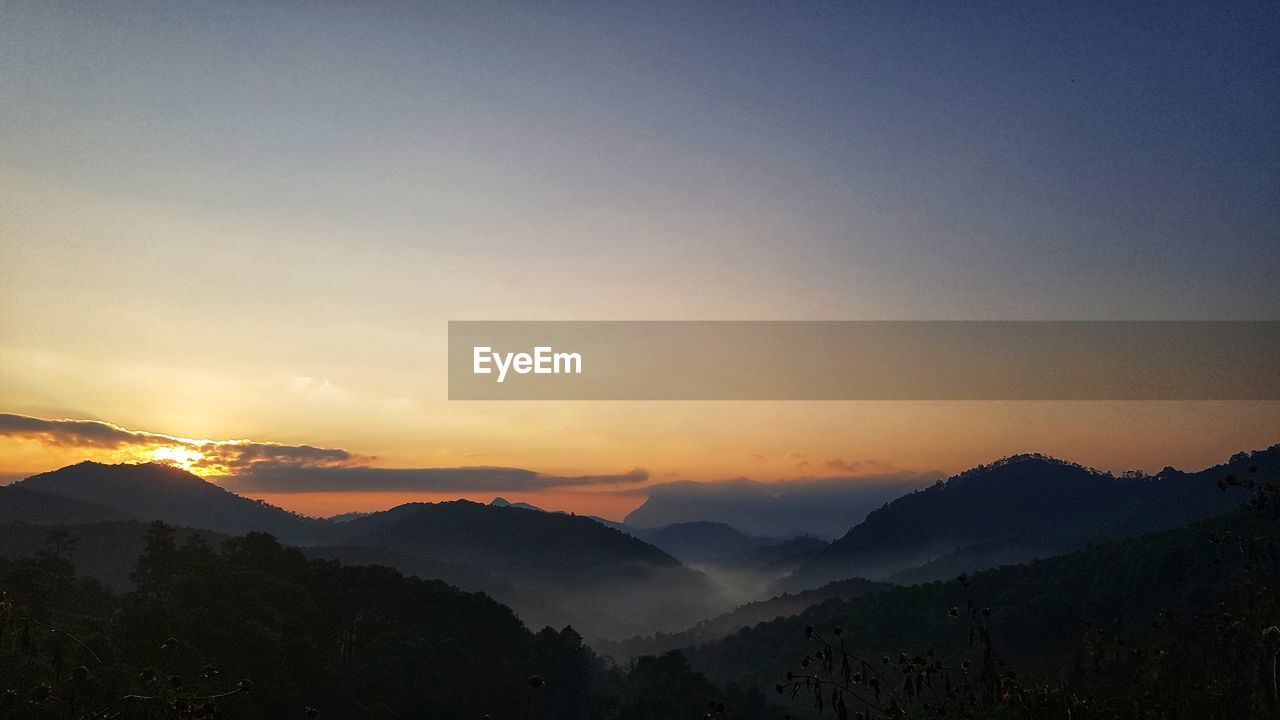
{"points": [[252, 223]]}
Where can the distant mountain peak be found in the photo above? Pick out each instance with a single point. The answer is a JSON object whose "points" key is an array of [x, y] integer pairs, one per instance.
{"points": [[503, 502], [705, 525], [347, 516], [1032, 458]]}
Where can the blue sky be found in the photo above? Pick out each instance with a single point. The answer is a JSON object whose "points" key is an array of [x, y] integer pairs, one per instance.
{"points": [[904, 159], [216, 200]]}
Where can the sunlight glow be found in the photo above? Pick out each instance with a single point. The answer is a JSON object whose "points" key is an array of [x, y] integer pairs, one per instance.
{"points": [[176, 455]]}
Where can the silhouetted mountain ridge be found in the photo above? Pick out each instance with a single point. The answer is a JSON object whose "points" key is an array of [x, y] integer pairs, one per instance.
{"points": [[1015, 509], [469, 531], [553, 568], [154, 491], [559, 568], [503, 502], [703, 541]]}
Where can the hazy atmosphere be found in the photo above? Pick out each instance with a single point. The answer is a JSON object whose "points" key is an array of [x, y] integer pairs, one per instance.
{"points": [[278, 282], [236, 221]]}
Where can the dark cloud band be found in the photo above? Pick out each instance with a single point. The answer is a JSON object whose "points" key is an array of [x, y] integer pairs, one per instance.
{"points": [[249, 466], [229, 454], [286, 478]]}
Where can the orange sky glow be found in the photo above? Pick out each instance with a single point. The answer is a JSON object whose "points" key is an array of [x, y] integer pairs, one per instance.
{"points": [[702, 442], [238, 242]]}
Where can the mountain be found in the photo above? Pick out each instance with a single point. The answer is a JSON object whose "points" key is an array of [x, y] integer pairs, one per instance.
{"points": [[620, 527], [18, 504], [824, 507], [503, 502], [553, 568], [703, 542], [1017, 509], [561, 569], [1144, 606], [347, 516], [152, 491], [744, 616]]}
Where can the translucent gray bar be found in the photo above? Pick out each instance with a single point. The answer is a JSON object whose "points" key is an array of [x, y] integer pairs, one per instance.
{"points": [[865, 360]]}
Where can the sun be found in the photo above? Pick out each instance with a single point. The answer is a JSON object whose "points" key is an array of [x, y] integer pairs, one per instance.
{"points": [[176, 455]]}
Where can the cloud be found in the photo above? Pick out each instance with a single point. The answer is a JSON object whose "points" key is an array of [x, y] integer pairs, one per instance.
{"points": [[243, 454], [836, 465], [217, 456], [286, 478], [747, 487], [826, 506], [72, 433], [252, 466]]}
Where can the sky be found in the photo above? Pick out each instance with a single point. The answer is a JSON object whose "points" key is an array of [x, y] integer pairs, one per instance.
{"points": [[252, 222]]}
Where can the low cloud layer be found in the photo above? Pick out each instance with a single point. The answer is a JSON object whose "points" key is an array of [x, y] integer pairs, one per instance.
{"points": [[252, 466], [285, 478], [825, 506]]}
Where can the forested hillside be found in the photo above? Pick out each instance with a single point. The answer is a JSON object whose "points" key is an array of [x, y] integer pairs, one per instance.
{"points": [[1178, 623], [553, 568], [1017, 509], [255, 630]]}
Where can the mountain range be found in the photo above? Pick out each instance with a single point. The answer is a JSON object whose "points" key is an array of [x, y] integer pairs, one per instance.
{"points": [[552, 568], [1172, 614], [1017, 509], [1155, 606], [562, 569]]}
